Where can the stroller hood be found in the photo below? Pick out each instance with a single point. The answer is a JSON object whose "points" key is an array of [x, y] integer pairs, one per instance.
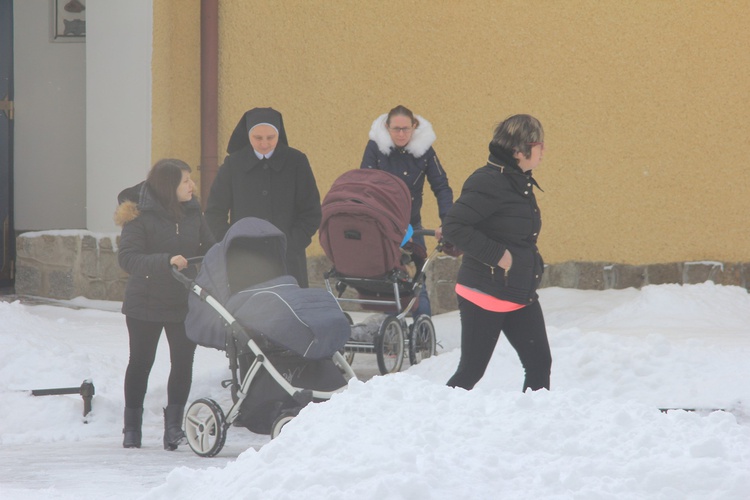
{"points": [[365, 216], [250, 246], [246, 274]]}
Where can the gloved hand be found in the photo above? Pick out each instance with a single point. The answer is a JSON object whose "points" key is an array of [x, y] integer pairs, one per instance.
{"points": [[416, 250]]}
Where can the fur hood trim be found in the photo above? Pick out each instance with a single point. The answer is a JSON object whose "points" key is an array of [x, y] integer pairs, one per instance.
{"points": [[421, 139], [126, 212]]}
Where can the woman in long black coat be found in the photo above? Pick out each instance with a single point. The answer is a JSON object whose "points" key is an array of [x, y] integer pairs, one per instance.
{"points": [[496, 222], [263, 177], [162, 226]]}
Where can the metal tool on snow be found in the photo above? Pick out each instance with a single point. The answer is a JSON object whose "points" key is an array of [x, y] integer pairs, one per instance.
{"points": [[86, 390]]}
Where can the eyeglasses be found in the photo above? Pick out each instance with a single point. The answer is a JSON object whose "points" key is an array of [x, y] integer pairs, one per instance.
{"points": [[532, 144], [401, 130]]}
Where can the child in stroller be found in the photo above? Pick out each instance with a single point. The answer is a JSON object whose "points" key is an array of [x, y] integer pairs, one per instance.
{"points": [[365, 232], [282, 339]]}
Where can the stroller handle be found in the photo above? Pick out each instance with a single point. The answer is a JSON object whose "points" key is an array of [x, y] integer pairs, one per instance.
{"points": [[192, 261], [442, 245], [424, 232]]}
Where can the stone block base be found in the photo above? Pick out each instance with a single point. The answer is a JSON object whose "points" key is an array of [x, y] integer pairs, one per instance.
{"points": [[441, 277], [68, 264]]}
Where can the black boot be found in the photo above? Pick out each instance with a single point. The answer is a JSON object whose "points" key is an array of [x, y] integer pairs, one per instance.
{"points": [[132, 429], [173, 433]]}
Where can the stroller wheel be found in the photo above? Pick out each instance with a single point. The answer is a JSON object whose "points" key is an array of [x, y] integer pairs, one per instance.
{"points": [[205, 427], [389, 345], [421, 339], [283, 419]]}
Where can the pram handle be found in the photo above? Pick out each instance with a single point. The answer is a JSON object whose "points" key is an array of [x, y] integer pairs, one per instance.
{"points": [[192, 261], [442, 244], [424, 232]]}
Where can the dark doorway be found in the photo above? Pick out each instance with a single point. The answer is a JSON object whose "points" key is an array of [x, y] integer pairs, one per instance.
{"points": [[7, 233]]}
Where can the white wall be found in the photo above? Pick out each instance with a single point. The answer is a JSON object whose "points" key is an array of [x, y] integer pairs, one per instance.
{"points": [[118, 112], [49, 124]]}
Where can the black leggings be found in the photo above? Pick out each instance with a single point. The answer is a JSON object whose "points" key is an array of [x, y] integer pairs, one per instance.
{"points": [[144, 338], [524, 329]]}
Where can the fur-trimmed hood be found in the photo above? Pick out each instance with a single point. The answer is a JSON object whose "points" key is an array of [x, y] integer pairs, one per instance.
{"points": [[126, 212], [421, 140]]}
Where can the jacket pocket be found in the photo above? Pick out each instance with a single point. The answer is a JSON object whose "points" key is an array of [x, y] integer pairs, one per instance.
{"points": [[520, 276]]}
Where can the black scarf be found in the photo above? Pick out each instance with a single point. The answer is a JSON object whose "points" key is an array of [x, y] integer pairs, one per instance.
{"points": [[504, 157]]}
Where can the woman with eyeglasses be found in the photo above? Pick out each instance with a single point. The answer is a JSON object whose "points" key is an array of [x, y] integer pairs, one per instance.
{"points": [[401, 144], [496, 222]]}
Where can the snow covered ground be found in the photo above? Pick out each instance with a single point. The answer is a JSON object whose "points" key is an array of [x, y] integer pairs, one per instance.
{"points": [[619, 356]]}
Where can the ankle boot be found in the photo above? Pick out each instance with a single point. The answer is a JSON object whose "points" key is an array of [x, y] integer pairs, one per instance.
{"points": [[173, 433], [132, 429]]}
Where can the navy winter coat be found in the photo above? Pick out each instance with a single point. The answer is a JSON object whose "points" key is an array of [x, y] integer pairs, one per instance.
{"points": [[412, 164]]}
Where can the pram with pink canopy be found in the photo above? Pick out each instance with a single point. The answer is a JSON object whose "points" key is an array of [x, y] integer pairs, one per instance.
{"points": [[364, 232]]}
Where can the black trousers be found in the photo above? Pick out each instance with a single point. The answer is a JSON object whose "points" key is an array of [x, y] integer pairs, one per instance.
{"points": [[524, 329], [144, 338]]}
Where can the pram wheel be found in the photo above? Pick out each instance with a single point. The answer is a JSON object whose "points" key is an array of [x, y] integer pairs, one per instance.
{"points": [[389, 345], [284, 418], [205, 427], [421, 339]]}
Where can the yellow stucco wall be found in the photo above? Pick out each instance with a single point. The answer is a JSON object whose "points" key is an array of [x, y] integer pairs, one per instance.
{"points": [[176, 63], [644, 103]]}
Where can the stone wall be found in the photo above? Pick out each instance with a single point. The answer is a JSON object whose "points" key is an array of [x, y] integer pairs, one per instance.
{"points": [[441, 278], [69, 264], [602, 275]]}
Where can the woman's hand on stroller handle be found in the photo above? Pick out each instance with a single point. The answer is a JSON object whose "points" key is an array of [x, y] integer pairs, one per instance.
{"points": [[178, 262], [192, 261], [177, 272]]}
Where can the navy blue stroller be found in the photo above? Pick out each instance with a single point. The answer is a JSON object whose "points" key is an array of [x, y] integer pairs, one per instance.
{"points": [[282, 341]]}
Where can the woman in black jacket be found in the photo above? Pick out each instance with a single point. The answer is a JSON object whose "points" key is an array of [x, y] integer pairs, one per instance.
{"points": [[496, 222], [263, 177], [162, 227]]}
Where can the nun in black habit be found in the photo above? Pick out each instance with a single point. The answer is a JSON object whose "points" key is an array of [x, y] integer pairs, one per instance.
{"points": [[263, 177]]}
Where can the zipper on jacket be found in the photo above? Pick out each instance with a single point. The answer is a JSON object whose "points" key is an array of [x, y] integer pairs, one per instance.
{"points": [[505, 273], [417, 179], [177, 227], [439, 167]]}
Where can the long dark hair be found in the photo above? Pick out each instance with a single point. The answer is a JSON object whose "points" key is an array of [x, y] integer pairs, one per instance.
{"points": [[163, 179]]}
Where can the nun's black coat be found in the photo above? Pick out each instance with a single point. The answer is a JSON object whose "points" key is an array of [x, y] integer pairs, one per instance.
{"points": [[280, 189]]}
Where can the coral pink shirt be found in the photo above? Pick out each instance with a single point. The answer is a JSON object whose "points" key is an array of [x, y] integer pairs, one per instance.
{"points": [[485, 301]]}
